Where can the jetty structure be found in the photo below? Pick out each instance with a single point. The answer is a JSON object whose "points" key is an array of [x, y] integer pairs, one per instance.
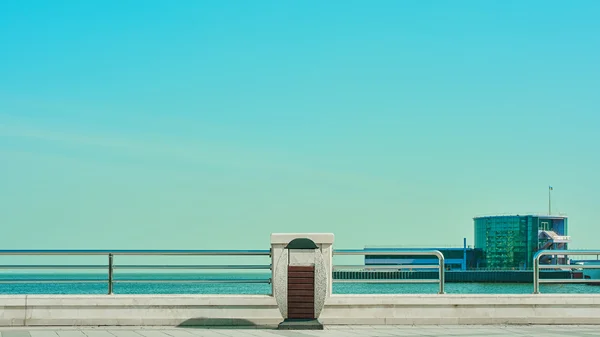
{"points": [[504, 250]]}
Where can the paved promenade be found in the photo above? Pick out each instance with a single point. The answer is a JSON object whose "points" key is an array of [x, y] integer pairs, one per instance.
{"points": [[331, 331]]}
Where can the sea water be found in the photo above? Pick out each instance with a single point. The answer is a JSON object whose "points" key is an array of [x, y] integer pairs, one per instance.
{"points": [[100, 285]]}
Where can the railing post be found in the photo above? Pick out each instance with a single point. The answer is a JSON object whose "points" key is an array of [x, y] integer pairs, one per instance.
{"points": [[272, 277], [442, 272], [536, 274], [110, 274]]}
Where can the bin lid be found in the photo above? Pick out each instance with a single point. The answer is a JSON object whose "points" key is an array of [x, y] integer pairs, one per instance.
{"points": [[302, 243]]}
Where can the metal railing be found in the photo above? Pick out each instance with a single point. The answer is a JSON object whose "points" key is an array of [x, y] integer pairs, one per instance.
{"points": [[111, 267], [396, 252], [537, 267]]}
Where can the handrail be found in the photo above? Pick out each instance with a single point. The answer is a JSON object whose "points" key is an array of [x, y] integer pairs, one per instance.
{"points": [[111, 266], [537, 267], [263, 252], [397, 252], [132, 266], [133, 280]]}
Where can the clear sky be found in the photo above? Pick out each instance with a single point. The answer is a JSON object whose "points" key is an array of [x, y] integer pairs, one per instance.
{"points": [[211, 124]]}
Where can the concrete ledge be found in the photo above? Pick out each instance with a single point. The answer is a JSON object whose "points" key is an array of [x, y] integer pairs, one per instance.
{"points": [[462, 309], [261, 310], [142, 310], [12, 310]]}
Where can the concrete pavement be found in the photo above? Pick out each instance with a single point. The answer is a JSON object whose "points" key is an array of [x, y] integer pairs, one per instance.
{"points": [[330, 331]]}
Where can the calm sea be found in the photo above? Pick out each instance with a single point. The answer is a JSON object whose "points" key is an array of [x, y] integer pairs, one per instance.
{"points": [[100, 287]]}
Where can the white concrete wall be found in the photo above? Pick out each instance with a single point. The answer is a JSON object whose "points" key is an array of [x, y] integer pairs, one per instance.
{"points": [[166, 310], [462, 309], [174, 310], [12, 310]]}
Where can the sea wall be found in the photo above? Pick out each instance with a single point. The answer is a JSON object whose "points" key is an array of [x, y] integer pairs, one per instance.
{"points": [[261, 310]]}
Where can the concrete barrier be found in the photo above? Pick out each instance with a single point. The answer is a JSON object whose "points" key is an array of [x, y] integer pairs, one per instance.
{"points": [[262, 310], [462, 309], [12, 310], [138, 310]]}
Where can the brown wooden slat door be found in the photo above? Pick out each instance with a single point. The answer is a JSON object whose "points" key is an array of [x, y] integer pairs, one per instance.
{"points": [[301, 292]]}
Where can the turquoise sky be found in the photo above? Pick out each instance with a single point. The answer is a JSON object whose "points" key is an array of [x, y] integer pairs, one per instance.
{"points": [[211, 124]]}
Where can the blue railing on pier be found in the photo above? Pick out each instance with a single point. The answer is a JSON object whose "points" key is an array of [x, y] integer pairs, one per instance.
{"points": [[110, 267]]}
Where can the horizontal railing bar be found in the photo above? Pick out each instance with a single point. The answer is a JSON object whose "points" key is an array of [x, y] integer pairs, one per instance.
{"points": [[135, 252], [383, 267], [51, 266], [193, 281], [207, 266], [569, 266], [394, 252], [204, 266], [6, 281], [568, 281], [386, 281]]}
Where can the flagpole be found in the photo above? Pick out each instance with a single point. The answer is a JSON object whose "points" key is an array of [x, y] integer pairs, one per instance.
{"points": [[549, 200]]}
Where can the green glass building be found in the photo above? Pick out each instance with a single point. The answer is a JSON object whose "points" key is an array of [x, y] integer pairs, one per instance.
{"points": [[509, 242]]}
